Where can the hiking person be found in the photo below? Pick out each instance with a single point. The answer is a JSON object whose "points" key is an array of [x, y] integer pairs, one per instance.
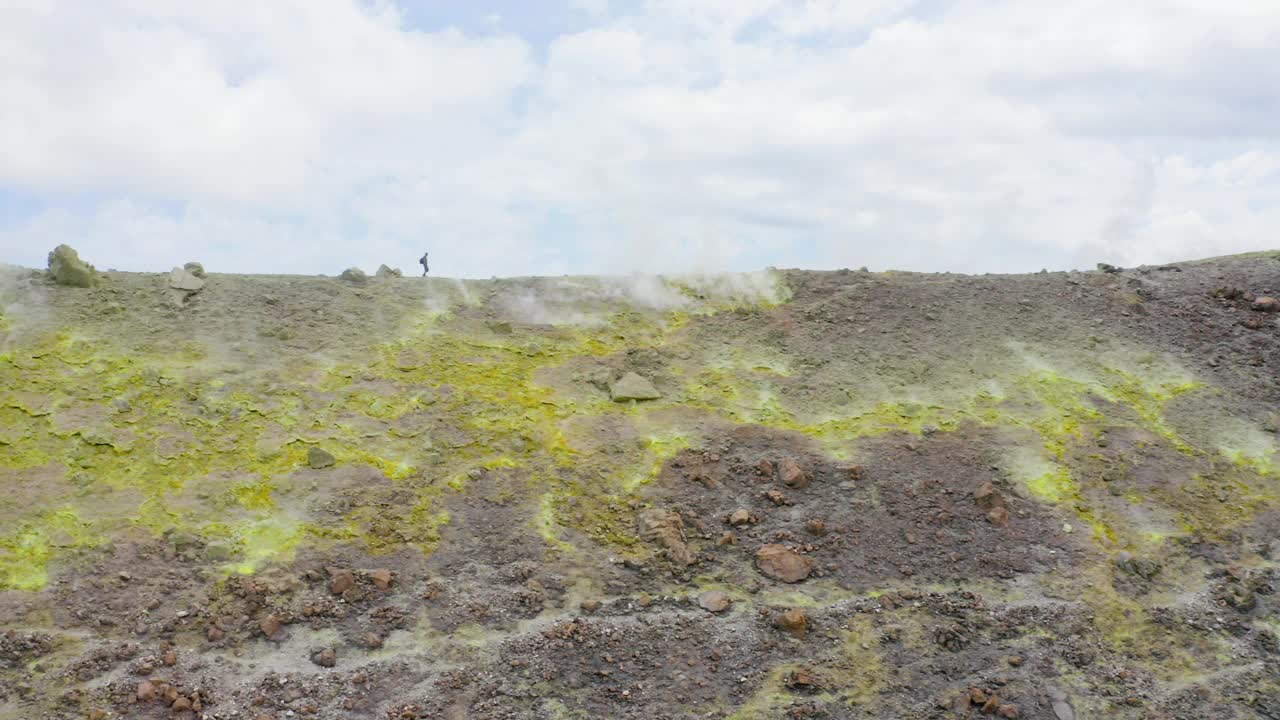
{"points": [[423, 261]]}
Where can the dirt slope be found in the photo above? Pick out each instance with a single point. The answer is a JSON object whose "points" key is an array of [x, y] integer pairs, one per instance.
{"points": [[856, 495]]}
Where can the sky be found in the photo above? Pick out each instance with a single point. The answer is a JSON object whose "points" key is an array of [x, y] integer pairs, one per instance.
{"points": [[521, 137]]}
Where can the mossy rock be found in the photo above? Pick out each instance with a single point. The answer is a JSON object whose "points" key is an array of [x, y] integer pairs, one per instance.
{"points": [[66, 268]]}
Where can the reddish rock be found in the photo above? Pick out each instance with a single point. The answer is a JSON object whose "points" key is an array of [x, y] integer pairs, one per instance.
{"points": [[146, 691], [271, 626], [1015, 661], [341, 580], [776, 497], [780, 563], [854, 472], [1007, 711], [991, 705], [801, 678], [726, 538], [215, 634], [794, 621], [765, 467], [1266, 303], [326, 658], [381, 578], [589, 605], [1254, 323], [97, 714], [740, 517], [998, 516], [713, 601], [666, 529], [816, 527], [372, 640], [793, 475], [180, 704], [987, 497], [977, 696], [170, 658]]}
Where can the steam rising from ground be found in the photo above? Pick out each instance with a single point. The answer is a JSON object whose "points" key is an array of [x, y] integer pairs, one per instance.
{"points": [[588, 301], [22, 304]]}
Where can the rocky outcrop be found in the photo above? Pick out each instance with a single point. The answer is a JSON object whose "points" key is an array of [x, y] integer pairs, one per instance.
{"points": [[66, 268]]}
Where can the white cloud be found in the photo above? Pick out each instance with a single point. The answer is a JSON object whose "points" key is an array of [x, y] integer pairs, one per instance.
{"points": [[666, 135]]}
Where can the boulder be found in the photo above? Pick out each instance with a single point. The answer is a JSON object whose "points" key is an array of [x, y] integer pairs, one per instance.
{"points": [[319, 459], [388, 272], [354, 276], [783, 564], [714, 601], [666, 529], [633, 387], [195, 268], [185, 280], [793, 475], [1266, 303], [66, 268]]}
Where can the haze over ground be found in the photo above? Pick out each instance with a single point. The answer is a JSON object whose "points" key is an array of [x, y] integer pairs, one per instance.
{"points": [[595, 136]]}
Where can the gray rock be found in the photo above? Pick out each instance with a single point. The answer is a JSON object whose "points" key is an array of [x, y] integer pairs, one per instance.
{"points": [[354, 275], [1062, 710], [633, 387], [66, 268], [319, 459], [1108, 268], [388, 272], [183, 280], [194, 268]]}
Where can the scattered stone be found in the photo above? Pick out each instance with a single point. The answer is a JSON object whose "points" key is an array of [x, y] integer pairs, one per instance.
{"points": [[987, 497], [97, 714], [726, 538], [633, 387], [385, 271], [792, 475], [794, 621], [372, 640], [341, 580], [170, 658], [589, 605], [1266, 303], [215, 634], [801, 678], [1108, 268], [991, 705], [354, 276], [146, 691], [1144, 568], [1007, 711], [816, 527], [714, 601], [66, 268], [271, 626], [854, 472], [181, 704], [319, 459], [326, 657], [776, 497], [765, 467], [998, 516], [783, 564], [666, 529], [1254, 323], [1015, 661], [1228, 293], [185, 281], [382, 578], [1067, 528], [740, 517], [195, 269]]}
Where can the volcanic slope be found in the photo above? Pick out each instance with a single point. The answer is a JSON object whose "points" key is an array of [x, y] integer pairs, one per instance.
{"points": [[783, 494]]}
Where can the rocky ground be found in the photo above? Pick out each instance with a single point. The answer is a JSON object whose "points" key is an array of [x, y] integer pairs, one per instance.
{"points": [[781, 495]]}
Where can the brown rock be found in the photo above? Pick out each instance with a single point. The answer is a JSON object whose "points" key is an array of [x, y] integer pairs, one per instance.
{"points": [[793, 476], [1015, 661], [589, 605], [170, 658], [325, 658], [854, 472], [998, 516], [713, 601], [215, 634], [780, 563], [381, 578], [146, 691], [765, 467], [271, 626], [1254, 323], [341, 580], [372, 640], [987, 497], [97, 714], [977, 696], [1007, 711], [794, 621], [665, 528], [1266, 303], [991, 705], [740, 517], [776, 497], [180, 705], [801, 678], [816, 527], [726, 538]]}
